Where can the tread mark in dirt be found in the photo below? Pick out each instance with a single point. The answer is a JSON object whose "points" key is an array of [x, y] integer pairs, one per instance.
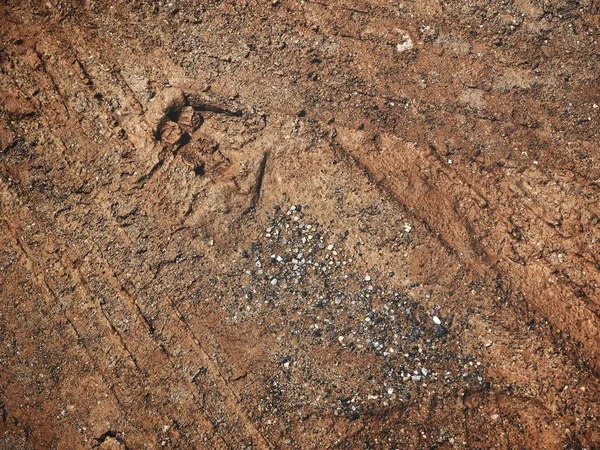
{"points": [[258, 185], [228, 393], [52, 81]]}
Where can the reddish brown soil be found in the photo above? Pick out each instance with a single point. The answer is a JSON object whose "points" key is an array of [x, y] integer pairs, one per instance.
{"points": [[299, 224]]}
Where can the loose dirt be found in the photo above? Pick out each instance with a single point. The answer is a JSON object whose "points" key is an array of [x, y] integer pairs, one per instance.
{"points": [[299, 225]]}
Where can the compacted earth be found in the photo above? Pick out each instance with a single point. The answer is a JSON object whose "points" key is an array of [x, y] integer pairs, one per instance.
{"points": [[294, 224]]}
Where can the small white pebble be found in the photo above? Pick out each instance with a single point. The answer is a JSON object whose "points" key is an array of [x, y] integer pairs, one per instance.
{"points": [[437, 320], [368, 278], [274, 281]]}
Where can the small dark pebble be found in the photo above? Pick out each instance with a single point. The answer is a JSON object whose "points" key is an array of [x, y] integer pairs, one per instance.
{"points": [[353, 416], [440, 330]]}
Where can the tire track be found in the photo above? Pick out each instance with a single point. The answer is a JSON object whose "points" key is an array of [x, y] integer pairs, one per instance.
{"points": [[462, 217]]}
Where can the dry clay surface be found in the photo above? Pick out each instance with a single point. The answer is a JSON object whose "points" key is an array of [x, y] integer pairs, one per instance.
{"points": [[299, 224]]}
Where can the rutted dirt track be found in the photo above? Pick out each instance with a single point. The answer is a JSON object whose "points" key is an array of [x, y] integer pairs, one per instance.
{"points": [[299, 224]]}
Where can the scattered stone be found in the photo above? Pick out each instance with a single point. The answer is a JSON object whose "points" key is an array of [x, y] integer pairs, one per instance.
{"points": [[406, 43], [440, 331], [304, 281]]}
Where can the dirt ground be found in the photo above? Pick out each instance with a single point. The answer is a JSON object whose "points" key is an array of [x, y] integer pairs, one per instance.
{"points": [[293, 224]]}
